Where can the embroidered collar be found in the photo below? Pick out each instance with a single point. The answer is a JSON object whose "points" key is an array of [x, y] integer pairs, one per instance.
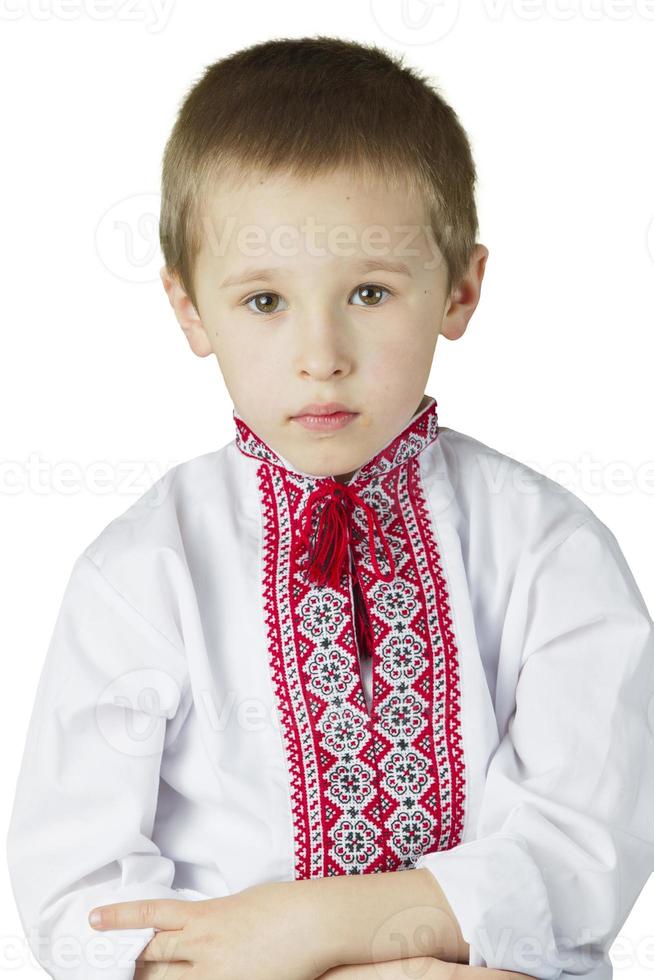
{"points": [[417, 434], [328, 546]]}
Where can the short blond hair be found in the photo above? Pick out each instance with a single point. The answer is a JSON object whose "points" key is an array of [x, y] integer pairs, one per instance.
{"points": [[310, 106]]}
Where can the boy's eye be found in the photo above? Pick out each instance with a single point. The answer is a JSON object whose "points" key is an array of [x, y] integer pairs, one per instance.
{"points": [[372, 291], [265, 307], [267, 302]]}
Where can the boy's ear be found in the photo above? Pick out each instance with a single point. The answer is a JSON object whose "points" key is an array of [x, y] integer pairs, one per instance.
{"points": [[464, 297], [187, 316]]}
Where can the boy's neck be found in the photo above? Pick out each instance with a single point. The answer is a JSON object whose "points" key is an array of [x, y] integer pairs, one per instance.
{"points": [[419, 432]]}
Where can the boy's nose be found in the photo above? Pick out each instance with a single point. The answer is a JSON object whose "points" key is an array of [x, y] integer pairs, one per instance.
{"points": [[322, 350]]}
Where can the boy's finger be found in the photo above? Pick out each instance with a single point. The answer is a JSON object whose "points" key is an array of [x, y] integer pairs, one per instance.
{"points": [[161, 913]]}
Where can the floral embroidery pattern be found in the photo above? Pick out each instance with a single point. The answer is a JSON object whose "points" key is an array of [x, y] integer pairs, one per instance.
{"points": [[402, 656], [329, 671], [322, 613], [350, 783], [370, 791]]}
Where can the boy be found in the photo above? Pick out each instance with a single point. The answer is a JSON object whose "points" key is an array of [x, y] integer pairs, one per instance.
{"points": [[322, 702]]}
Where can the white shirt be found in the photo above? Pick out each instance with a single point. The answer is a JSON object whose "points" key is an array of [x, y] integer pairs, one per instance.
{"points": [[201, 724]]}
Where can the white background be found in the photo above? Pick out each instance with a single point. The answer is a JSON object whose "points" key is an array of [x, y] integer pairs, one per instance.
{"points": [[100, 393]]}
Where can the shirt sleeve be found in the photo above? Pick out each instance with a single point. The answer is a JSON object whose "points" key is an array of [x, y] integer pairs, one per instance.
{"points": [[85, 800], [565, 838]]}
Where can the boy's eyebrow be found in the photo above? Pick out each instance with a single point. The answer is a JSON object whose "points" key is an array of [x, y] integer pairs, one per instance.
{"points": [[364, 266]]}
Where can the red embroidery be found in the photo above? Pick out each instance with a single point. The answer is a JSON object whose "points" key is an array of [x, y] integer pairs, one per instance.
{"points": [[370, 791]]}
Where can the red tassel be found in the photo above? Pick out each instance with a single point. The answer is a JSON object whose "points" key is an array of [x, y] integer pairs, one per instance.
{"points": [[327, 558]]}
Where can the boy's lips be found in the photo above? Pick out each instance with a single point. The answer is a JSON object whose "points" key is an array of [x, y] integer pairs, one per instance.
{"points": [[326, 422], [326, 408]]}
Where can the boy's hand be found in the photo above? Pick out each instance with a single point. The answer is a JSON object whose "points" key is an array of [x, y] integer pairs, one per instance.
{"points": [[253, 933]]}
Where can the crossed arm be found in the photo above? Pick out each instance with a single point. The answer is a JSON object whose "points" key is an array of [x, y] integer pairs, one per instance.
{"points": [[388, 926], [404, 920]]}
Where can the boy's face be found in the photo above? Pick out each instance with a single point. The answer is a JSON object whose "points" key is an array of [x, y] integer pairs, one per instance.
{"points": [[308, 323]]}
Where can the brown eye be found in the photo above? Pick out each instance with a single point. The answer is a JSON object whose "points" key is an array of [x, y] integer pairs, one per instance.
{"points": [[370, 294], [261, 306]]}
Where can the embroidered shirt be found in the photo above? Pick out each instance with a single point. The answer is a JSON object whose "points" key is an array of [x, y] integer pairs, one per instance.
{"points": [[261, 675]]}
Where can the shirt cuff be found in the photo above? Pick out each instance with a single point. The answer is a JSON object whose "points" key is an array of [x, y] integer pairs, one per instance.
{"points": [[498, 896]]}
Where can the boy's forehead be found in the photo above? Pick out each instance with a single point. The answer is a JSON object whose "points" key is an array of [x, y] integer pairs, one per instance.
{"points": [[333, 220], [272, 198]]}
